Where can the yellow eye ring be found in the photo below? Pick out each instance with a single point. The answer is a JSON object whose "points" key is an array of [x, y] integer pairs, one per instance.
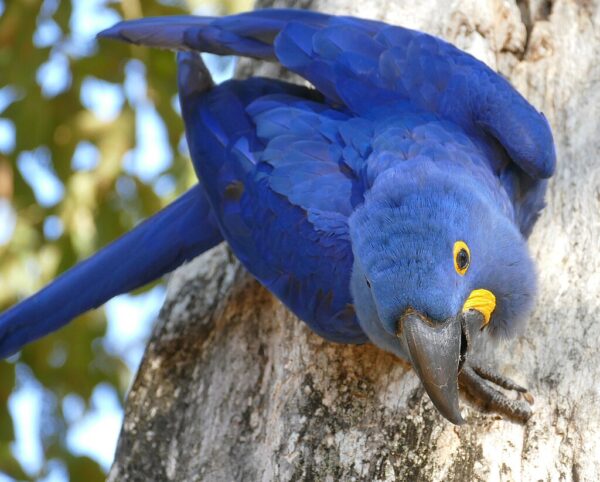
{"points": [[462, 257]]}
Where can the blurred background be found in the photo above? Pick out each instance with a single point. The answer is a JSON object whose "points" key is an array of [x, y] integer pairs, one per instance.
{"points": [[91, 143]]}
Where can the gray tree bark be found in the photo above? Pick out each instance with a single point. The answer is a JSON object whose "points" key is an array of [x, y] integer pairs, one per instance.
{"points": [[234, 387]]}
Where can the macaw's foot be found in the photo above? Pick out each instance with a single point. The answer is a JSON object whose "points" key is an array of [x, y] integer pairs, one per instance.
{"points": [[478, 383]]}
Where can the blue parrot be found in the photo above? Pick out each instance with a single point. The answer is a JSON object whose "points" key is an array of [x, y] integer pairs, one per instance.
{"points": [[390, 203]]}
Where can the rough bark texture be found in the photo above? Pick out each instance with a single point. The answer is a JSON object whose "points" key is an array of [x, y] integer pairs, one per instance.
{"points": [[233, 387]]}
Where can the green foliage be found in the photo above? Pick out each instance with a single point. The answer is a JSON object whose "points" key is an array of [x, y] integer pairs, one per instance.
{"points": [[72, 361]]}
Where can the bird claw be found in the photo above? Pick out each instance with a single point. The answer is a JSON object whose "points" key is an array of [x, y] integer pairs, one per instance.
{"points": [[478, 381]]}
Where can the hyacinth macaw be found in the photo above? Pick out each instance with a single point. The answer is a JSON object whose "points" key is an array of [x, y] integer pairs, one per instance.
{"points": [[390, 203]]}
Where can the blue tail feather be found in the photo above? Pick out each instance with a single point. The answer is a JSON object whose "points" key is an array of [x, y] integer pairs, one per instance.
{"points": [[178, 233]]}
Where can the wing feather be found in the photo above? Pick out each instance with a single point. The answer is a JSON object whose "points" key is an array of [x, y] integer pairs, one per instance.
{"points": [[277, 186], [367, 66]]}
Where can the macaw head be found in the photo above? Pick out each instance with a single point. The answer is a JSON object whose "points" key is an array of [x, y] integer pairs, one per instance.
{"points": [[435, 254]]}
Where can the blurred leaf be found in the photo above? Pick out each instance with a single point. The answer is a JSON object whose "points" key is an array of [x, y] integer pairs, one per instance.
{"points": [[73, 360]]}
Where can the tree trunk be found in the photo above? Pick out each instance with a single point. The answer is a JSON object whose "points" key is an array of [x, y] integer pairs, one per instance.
{"points": [[234, 387]]}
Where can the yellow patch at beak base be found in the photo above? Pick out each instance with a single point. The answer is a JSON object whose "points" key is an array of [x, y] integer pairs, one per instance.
{"points": [[483, 301]]}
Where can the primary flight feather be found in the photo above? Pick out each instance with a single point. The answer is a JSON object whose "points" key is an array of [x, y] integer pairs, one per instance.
{"points": [[391, 203]]}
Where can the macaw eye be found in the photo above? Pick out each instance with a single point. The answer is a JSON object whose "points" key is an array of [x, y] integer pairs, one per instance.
{"points": [[462, 257]]}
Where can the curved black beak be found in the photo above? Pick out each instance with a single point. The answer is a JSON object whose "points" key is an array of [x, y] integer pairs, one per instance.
{"points": [[437, 352]]}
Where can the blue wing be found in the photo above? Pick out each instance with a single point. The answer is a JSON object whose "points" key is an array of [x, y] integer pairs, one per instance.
{"points": [[160, 244], [366, 66], [281, 184]]}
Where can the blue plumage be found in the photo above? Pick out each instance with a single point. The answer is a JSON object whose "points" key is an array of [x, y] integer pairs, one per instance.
{"points": [[395, 196]]}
